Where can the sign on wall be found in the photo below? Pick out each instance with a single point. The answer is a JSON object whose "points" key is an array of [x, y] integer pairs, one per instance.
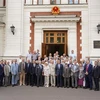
{"points": [[96, 44]]}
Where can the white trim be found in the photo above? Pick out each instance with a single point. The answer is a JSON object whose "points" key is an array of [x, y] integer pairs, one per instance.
{"points": [[55, 29], [56, 16], [54, 19]]}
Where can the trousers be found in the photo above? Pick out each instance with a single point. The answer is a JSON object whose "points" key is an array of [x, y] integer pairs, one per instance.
{"points": [[22, 78], [14, 79], [52, 80]]}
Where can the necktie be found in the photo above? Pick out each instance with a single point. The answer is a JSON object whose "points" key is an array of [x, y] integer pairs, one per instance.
{"points": [[86, 68], [23, 66]]}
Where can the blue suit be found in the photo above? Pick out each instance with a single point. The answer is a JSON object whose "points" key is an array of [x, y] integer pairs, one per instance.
{"points": [[14, 72], [88, 78], [59, 73]]}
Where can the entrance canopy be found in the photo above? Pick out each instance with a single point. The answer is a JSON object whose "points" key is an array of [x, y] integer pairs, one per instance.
{"points": [[52, 18]]}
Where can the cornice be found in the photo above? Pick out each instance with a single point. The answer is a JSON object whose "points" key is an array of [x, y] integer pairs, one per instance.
{"points": [[55, 18], [50, 6]]}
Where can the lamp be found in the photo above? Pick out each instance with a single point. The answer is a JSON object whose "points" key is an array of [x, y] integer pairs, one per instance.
{"points": [[98, 27], [12, 29]]}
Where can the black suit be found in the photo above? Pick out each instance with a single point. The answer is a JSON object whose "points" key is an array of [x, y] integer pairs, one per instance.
{"points": [[27, 71], [96, 73], [1, 74], [33, 74], [39, 71]]}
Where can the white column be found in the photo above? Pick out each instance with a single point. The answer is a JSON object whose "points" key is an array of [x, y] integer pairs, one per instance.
{"points": [[1, 3], [14, 15], [2, 27]]}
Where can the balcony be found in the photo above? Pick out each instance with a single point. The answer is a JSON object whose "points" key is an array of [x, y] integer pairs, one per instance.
{"points": [[55, 2]]}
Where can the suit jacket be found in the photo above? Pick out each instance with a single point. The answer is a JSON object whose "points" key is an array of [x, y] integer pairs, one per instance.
{"points": [[66, 71], [20, 67], [96, 72], [59, 71], [75, 71], [89, 70], [1, 70], [14, 69], [28, 66], [32, 68], [6, 70], [39, 69]]}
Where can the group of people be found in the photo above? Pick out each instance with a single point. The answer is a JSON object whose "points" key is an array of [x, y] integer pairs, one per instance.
{"points": [[54, 70]]}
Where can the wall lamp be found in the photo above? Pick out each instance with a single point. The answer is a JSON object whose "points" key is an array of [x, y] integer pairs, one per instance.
{"points": [[98, 27], [12, 29]]}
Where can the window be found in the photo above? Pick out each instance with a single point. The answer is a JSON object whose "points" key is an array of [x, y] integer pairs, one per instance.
{"points": [[58, 1], [55, 1], [52, 2], [71, 2], [55, 37], [40, 2], [76, 1]]}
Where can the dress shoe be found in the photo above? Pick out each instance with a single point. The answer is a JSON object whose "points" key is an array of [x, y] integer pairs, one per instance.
{"points": [[76, 87], [90, 88]]}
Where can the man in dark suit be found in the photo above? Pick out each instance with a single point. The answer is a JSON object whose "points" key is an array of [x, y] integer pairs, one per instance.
{"points": [[27, 71], [1, 73], [39, 72], [88, 69], [59, 73], [96, 73], [33, 74]]}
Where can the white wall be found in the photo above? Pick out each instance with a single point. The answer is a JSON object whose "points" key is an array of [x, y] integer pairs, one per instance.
{"points": [[94, 20], [14, 43], [85, 34]]}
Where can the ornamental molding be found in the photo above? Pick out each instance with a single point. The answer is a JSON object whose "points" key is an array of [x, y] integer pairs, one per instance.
{"points": [[55, 18]]}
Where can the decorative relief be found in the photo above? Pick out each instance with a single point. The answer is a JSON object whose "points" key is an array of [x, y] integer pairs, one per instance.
{"points": [[55, 10]]}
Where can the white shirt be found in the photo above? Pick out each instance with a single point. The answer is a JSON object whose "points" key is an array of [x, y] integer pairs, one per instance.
{"points": [[73, 56], [19, 60], [74, 68], [29, 57]]}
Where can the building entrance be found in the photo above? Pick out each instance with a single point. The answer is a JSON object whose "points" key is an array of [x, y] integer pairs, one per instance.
{"points": [[54, 41]]}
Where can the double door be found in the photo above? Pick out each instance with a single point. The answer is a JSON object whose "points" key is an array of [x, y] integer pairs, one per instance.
{"points": [[54, 41]]}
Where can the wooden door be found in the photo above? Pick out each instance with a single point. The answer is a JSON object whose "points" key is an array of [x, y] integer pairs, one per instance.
{"points": [[55, 37], [43, 49]]}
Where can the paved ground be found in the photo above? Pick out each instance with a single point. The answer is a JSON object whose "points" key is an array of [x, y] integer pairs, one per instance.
{"points": [[51, 93]]}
